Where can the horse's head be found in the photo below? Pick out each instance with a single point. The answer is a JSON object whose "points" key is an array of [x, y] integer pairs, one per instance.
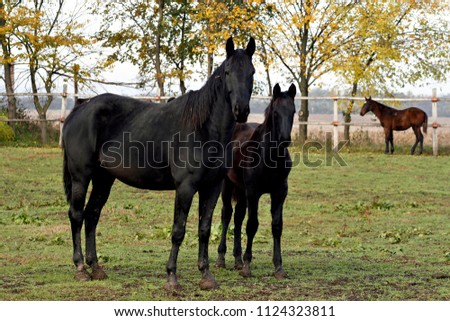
{"points": [[367, 106], [282, 109], [239, 73]]}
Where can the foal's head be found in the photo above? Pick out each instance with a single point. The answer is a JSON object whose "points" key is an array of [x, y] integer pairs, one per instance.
{"points": [[367, 106], [280, 114]]}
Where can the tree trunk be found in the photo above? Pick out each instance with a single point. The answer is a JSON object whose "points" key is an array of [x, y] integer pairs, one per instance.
{"points": [[76, 71], [159, 74], [266, 67], [9, 85], [348, 113], [8, 67], [182, 86], [210, 64], [304, 84], [43, 125]]}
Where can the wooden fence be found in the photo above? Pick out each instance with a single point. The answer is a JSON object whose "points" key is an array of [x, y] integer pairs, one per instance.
{"points": [[334, 122]]}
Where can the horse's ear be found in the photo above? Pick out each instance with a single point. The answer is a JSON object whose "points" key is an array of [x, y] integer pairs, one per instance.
{"points": [[292, 91], [230, 47], [276, 91], [367, 99], [370, 98], [251, 47]]}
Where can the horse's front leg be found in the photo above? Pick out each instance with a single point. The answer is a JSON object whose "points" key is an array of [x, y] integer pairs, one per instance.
{"points": [[183, 200], [277, 201], [388, 138], [252, 227], [207, 202], [391, 136]]}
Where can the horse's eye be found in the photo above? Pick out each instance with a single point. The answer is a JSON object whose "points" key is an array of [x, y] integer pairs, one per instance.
{"points": [[227, 72]]}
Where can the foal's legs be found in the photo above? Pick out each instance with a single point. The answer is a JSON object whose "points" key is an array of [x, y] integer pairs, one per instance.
{"points": [[277, 201], [419, 138], [207, 202], [101, 187], [252, 227], [239, 215], [183, 200], [389, 139], [227, 212]]}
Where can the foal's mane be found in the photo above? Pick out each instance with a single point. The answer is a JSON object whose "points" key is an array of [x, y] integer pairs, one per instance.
{"points": [[199, 102], [380, 104], [268, 111]]}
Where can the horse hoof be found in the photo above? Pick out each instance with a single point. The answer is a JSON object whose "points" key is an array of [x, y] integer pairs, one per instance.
{"points": [[238, 264], [82, 275], [220, 263], [98, 273], [245, 271], [208, 283], [172, 287], [172, 284], [280, 275]]}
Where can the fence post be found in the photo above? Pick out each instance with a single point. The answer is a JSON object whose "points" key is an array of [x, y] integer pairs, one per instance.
{"points": [[435, 125], [335, 122], [63, 113]]}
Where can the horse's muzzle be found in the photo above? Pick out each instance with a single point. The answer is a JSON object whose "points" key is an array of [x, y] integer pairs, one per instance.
{"points": [[241, 114]]}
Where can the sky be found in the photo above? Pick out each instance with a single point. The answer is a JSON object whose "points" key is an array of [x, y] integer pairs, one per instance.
{"points": [[125, 72]]}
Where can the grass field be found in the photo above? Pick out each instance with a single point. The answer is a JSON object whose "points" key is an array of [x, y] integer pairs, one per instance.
{"points": [[376, 229]]}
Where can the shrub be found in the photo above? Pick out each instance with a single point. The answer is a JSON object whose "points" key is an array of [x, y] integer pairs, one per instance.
{"points": [[6, 132]]}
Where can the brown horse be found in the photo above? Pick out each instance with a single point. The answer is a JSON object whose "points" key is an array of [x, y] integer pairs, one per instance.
{"points": [[393, 119]]}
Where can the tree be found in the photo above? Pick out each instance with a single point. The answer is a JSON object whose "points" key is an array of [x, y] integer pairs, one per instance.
{"points": [[52, 41], [219, 20], [48, 40], [8, 16], [156, 36], [306, 36]]}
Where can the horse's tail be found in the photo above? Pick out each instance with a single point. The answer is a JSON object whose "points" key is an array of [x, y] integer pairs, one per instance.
{"points": [[425, 123], [67, 179]]}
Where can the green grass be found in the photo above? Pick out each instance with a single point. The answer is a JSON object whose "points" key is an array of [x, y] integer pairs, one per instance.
{"points": [[376, 229]]}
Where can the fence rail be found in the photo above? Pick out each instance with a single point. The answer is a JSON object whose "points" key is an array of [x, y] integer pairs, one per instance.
{"points": [[333, 122]]}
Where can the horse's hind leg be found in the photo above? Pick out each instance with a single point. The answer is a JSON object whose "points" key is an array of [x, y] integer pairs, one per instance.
{"points": [[277, 201], [76, 216], [227, 212], [419, 139], [421, 142], [391, 139], [101, 187], [239, 215]]}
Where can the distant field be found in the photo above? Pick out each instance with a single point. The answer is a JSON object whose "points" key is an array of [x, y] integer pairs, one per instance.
{"points": [[376, 229]]}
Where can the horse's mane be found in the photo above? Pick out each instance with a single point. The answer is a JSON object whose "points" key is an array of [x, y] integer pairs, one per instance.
{"points": [[198, 105], [382, 105]]}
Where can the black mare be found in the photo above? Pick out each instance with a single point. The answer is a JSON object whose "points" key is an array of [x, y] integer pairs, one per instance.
{"points": [[173, 146], [261, 164]]}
